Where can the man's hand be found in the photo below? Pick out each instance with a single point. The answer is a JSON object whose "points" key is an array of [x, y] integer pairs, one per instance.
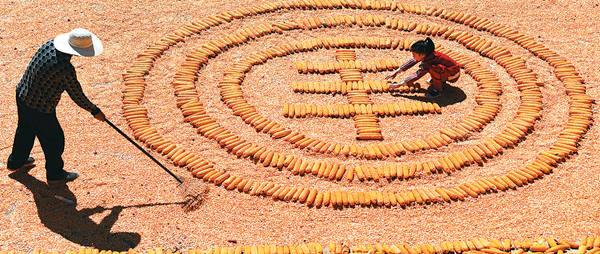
{"points": [[100, 116]]}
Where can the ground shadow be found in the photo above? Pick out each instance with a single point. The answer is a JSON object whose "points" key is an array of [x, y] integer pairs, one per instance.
{"points": [[56, 207], [452, 95]]}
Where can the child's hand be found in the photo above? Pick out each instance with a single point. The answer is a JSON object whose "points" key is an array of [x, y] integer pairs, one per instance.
{"points": [[391, 76], [437, 68], [396, 85]]}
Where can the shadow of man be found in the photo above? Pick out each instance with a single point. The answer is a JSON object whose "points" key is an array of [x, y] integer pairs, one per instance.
{"points": [[57, 211]]}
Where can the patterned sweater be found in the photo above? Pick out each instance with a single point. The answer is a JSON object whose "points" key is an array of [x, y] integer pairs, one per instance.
{"points": [[47, 76]]}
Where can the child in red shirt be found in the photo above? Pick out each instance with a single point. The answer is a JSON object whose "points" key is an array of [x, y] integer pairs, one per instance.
{"points": [[440, 67]]}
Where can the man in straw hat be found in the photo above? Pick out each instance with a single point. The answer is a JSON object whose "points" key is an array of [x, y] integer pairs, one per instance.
{"points": [[47, 76]]}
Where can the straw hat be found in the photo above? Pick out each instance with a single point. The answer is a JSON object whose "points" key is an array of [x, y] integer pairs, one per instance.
{"points": [[79, 42]]}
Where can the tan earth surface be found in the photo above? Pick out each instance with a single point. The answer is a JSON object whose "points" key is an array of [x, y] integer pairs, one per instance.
{"points": [[123, 200]]}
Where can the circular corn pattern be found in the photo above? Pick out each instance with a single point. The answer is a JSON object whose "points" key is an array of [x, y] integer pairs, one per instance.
{"points": [[337, 78]]}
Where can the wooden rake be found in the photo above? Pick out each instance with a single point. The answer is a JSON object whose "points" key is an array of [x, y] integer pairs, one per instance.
{"points": [[193, 191]]}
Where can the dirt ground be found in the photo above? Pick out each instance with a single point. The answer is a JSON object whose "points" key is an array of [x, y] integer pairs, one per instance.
{"points": [[123, 200]]}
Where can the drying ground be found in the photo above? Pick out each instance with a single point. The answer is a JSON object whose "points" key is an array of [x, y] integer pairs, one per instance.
{"points": [[123, 200]]}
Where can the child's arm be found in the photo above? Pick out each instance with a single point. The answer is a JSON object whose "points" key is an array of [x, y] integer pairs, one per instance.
{"points": [[410, 63], [410, 79], [415, 76], [393, 74]]}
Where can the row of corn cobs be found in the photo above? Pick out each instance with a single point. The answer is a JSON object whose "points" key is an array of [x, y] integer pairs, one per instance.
{"points": [[539, 245]]}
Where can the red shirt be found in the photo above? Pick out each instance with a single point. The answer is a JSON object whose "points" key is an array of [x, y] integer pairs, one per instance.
{"points": [[439, 61]]}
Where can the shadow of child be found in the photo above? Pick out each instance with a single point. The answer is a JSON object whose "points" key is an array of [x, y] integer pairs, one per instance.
{"points": [[57, 211], [452, 95]]}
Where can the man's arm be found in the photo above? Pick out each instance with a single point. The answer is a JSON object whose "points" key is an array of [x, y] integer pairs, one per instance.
{"points": [[75, 91]]}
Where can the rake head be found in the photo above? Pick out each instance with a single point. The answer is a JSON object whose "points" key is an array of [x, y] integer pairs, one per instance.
{"points": [[193, 192]]}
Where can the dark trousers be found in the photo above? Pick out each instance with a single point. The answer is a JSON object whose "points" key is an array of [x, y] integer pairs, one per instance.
{"points": [[46, 128]]}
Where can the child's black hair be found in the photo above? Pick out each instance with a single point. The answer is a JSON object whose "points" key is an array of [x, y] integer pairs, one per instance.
{"points": [[423, 47]]}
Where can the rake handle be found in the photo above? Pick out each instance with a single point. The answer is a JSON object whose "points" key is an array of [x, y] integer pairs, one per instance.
{"points": [[143, 150]]}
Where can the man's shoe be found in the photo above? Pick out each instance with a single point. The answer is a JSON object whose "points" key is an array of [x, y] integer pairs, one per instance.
{"points": [[28, 163], [434, 93], [67, 177]]}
